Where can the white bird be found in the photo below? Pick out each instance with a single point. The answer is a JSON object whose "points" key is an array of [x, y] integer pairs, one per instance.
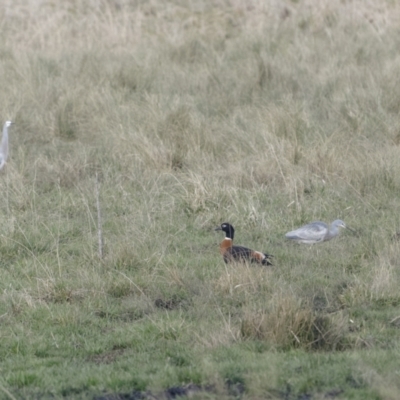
{"points": [[316, 232], [4, 144]]}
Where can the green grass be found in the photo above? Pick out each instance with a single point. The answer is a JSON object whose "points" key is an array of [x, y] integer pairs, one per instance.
{"points": [[267, 116]]}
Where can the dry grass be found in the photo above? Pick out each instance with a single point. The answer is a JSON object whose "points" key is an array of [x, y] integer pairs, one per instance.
{"points": [[287, 323], [265, 114]]}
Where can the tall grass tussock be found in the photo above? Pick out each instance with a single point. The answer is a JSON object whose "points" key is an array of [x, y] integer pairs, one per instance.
{"points": [[171, 118]]}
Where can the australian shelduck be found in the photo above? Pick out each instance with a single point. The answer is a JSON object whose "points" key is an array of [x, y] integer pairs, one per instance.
{"points": [[238, 253]]}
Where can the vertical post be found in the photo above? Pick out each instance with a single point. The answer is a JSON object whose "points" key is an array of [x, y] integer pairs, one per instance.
{"points": [[99, 227]]}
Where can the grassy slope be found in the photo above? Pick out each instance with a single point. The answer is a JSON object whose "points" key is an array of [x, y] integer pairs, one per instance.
{"points": [[194, 113]]}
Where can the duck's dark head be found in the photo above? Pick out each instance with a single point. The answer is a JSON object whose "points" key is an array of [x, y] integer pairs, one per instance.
{"points": [[227, 228]]}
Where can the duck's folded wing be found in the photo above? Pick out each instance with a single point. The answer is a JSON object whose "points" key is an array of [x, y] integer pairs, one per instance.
{"points": [[244, 253], [240, 252]]}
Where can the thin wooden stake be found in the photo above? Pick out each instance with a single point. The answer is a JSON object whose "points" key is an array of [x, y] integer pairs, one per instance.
{"points": [[99, 227]]}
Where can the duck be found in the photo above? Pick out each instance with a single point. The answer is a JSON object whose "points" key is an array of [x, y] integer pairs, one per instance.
{"points": [[231, 253]]}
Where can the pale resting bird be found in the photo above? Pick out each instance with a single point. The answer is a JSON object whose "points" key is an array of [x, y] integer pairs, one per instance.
{"points": [[316, 232], [4, 144]]}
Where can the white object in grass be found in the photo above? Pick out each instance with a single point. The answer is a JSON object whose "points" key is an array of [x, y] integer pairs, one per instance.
{"points": [[316, 232], [4, 144]]}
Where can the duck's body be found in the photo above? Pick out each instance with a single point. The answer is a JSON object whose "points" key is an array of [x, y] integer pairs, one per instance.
{"points": [[316, 232], [232, 253]]}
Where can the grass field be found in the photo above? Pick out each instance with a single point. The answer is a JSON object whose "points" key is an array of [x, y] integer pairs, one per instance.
{"points": [[265, 114]]}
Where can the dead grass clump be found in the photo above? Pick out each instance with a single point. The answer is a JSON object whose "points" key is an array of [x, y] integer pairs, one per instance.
{"points": [[191, 52], [291, 324], [242, 279], [126, 258], [176, 131], [107, 357], [203, 195], [133, 77], [384, 283], [59, 292], [20, 300], [354, 295], [120, 289], [287, 122], [171, 303], [382, 280], [66, 124]]}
